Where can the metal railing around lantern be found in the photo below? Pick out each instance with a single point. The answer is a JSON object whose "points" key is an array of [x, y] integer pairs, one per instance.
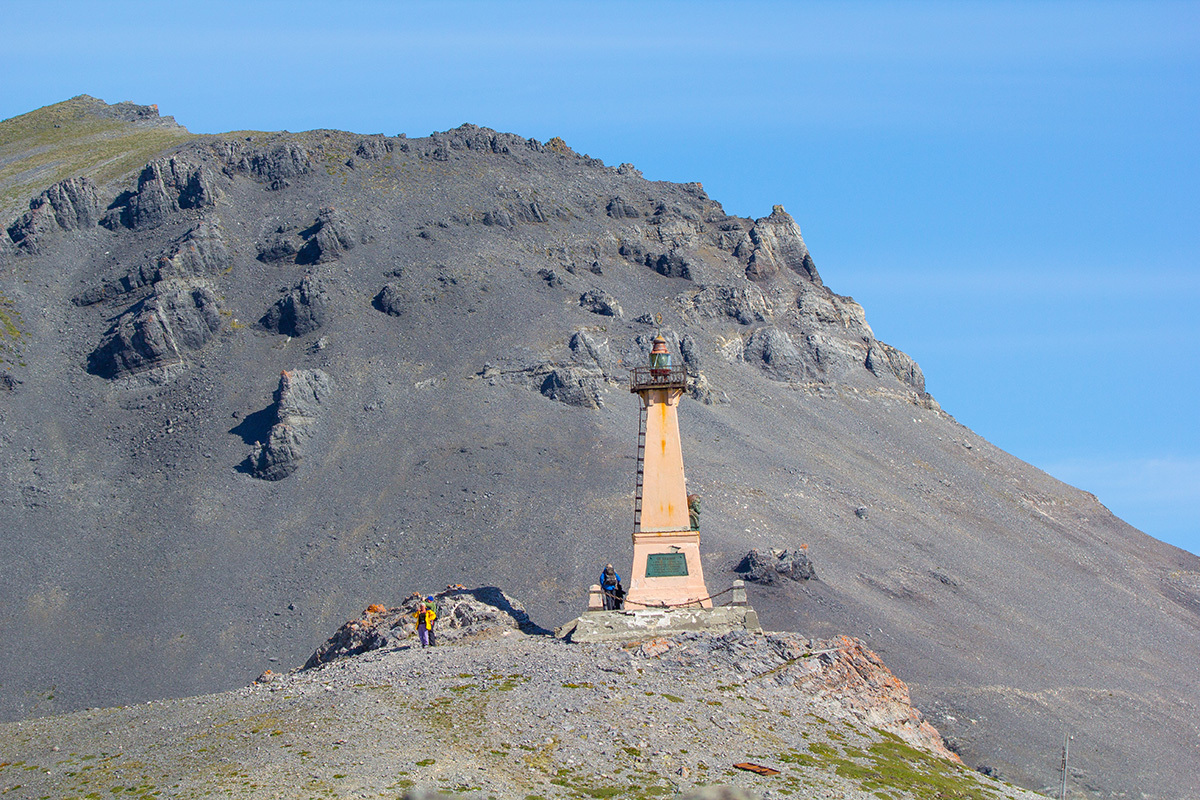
{"points": [[658, 378]]}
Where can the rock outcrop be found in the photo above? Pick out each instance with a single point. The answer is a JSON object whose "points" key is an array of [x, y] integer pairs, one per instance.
{"points": [[462, 613], [67, 205], [672, 264], [178, 317], [586, 349], [774, 349], [619, 208], [326, 240], [775, 244], [600, 302], [818, 307], [373, 148], [199, 253], [301, 311], [274, 163], [573, 385], [474, 138], [491, 712], [851, 680], [746, 304], [165, 186], [883, 359], [298, 402], [510, 214]]}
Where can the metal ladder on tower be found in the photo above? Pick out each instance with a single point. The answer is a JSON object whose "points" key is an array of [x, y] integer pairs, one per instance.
{"points": [[641, 469]]}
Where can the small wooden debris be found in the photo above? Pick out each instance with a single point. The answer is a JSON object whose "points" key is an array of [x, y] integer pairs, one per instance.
{"points": [[757, 769]]}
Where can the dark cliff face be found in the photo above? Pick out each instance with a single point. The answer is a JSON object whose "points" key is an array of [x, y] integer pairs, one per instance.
{"points": [[454, 317]]}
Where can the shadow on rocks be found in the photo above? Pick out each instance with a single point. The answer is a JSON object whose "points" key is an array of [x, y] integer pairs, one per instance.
{"points": [[254, 427]]}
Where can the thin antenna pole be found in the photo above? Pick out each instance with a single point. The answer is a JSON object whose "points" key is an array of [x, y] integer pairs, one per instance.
{"points": [[1062, 793]]}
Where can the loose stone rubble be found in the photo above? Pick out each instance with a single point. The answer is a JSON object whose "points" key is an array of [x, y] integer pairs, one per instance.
{"points": [[503, 710]]}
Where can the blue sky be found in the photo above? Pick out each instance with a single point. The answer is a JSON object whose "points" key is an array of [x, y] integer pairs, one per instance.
{"points": [[1010, 189]]}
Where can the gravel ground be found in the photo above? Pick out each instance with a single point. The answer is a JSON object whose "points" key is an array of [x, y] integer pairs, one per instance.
{"points": [[505, 715]]}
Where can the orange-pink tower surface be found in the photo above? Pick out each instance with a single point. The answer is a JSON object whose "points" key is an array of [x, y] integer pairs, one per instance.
{"points": [[666, 550]]}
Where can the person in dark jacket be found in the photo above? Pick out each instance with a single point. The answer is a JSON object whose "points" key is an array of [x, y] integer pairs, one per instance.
{"points": [[610, 582]]}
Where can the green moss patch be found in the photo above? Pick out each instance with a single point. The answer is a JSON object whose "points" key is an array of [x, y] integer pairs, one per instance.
{"points": [[890, 768]]}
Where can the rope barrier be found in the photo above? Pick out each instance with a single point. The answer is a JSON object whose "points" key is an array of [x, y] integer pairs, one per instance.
{"points": [[667, 606]]}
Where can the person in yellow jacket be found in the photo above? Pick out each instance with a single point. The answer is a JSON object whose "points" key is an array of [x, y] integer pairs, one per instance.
{"points": [[425, 616], [432, 605]]}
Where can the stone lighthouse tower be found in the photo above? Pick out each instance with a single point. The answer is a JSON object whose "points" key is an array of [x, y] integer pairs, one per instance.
{"points": [[666, 550]]}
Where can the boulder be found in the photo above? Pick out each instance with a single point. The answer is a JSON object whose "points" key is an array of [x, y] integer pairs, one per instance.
{"points": [[298, 403], [280, 248], [600, 302], [498, 217], [179, 316], [301, 311], [391, 299], [67, 205], [775, 244], [551, 277], [776, 564]]}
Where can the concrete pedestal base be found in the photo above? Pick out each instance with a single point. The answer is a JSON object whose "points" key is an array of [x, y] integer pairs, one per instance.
{"points": [[672, 590], [628, 626]]}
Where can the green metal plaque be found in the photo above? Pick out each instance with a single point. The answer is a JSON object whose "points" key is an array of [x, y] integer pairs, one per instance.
{"points": [[666, 565]]}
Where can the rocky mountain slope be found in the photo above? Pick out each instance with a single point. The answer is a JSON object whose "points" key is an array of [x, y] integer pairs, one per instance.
{"points": [[264, 379], [495, 712]]}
